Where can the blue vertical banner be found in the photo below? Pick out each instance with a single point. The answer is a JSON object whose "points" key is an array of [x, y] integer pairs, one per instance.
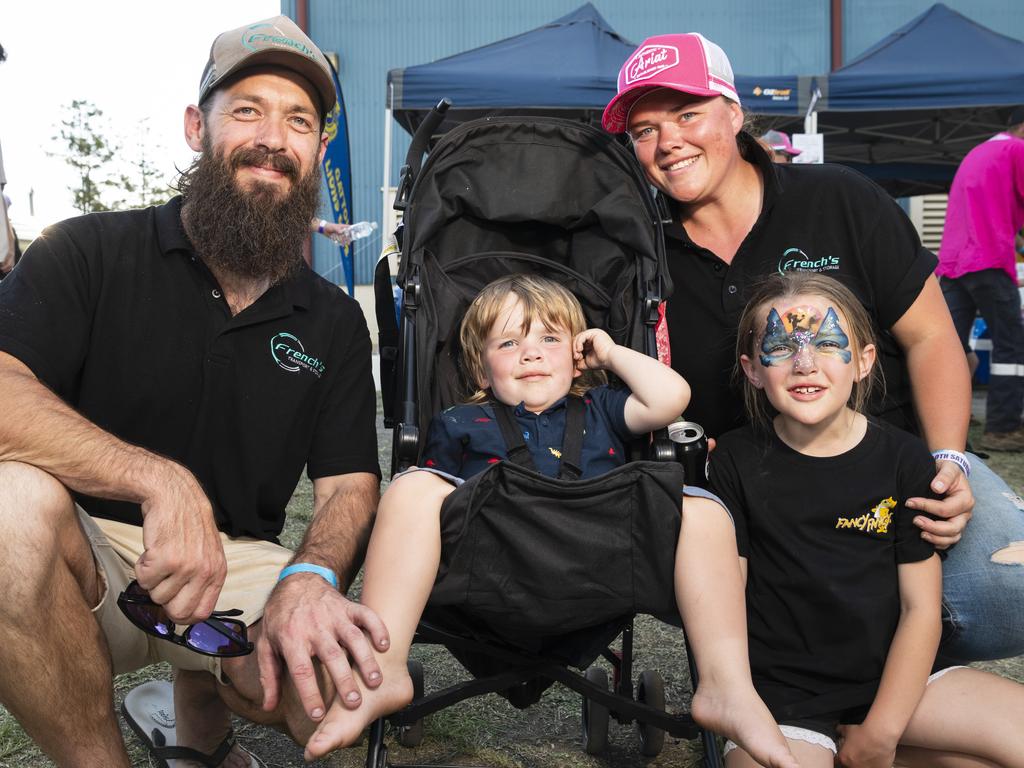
{"points": [[337, 167]]}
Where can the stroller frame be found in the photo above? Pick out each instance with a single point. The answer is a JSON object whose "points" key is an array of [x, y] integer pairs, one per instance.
{"points": [[404, 413]]}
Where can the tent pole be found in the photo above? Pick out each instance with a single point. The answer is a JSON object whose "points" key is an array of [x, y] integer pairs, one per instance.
{"points": [[811, 118], [386, 187], [837, 34]]}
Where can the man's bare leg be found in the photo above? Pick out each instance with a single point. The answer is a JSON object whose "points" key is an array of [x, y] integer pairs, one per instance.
{"points": [[710, 592], [202, 718], [401, 565], [48, 634]]}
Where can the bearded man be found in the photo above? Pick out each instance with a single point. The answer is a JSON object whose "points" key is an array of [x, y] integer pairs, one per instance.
{"points": [[167, 373]]}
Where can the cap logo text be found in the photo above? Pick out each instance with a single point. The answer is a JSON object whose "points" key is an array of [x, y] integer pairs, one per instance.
{"points": [[649, 61], [256, 41]]}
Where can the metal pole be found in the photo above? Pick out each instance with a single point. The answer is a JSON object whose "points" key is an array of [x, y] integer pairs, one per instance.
{"points": [[386, 187], [811, 118], [837, 34]]}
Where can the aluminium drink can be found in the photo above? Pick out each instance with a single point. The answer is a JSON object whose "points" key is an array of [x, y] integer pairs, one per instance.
{"points": [[691, 451]]}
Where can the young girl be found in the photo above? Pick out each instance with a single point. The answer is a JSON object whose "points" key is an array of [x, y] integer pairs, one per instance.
{"points": [[843, 595], [525, 344]]}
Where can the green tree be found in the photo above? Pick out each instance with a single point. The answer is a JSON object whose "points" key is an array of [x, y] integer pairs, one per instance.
{"points": [[142, 182], [109, 177], [88, 152]]}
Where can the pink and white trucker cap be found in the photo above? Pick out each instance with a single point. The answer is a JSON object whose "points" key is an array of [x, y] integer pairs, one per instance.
{"points": [[779, 142], [688, 62]]}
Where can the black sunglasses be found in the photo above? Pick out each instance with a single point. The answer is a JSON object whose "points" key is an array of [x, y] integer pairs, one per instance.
{"points": [[217, 636]]}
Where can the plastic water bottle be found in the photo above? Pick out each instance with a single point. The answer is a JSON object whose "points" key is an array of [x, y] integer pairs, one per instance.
{"points": [[360, 229]]}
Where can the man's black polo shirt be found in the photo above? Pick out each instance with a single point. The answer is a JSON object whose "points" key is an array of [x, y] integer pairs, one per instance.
{"points": [[823, 218], [116, 314]]}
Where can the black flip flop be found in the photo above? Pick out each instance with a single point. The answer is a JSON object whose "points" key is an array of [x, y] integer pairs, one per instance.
{"points": [[149, 711]]}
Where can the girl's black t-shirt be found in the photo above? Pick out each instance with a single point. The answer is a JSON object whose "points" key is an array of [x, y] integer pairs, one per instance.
{"points": [[823, 538]]}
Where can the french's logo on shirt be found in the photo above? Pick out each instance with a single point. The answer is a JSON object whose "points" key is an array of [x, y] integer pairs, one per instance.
{"points": [[291, 356], [795, 260]]}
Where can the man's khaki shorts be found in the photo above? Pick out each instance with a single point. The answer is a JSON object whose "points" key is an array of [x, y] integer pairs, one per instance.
{"points": [[253, 567]]}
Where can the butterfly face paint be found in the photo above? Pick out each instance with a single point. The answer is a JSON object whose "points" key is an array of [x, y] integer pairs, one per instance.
{"points": [[799, 333]]}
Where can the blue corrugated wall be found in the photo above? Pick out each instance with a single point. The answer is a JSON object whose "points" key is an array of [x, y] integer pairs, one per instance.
{"points": [[769, 37]]}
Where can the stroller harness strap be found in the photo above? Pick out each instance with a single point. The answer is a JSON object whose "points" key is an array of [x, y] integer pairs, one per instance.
{"points": [[572, 442]]}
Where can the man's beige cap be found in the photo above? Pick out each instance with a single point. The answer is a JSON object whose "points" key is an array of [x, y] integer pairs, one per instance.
{"points": [[272, 42]]}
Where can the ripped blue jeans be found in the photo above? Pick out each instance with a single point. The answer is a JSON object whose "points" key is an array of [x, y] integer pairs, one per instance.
{"points": [[983, 576]]}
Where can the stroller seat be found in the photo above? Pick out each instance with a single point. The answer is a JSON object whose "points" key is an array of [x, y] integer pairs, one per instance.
{"points": [[499, 196]]}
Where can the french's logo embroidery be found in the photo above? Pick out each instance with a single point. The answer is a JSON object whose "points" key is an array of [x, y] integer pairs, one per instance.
{"points": [[794, 259], [257, 40], [291, 356], [877, 520]]}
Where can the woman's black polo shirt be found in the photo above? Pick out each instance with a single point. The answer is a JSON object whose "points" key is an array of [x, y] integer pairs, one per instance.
{"points": [[821, 218], [116, 314]]}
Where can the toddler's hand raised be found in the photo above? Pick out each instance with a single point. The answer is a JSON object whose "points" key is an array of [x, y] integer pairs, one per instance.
{"points": [[592, 350]]}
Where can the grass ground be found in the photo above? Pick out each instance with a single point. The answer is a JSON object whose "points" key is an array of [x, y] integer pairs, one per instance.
{"points": [[486, 731]]}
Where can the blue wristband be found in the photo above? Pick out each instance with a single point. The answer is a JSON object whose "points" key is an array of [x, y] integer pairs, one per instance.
{"points": [[326, 573]]}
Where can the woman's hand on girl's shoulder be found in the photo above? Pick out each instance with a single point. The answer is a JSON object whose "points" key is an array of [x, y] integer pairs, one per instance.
{"points": [[953, 511]]}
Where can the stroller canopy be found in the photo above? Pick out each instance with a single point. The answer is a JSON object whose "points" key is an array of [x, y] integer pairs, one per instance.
{"points": [[542, 195]]}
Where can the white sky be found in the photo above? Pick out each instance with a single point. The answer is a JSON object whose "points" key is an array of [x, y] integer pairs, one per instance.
{"points": [[134, 59]]}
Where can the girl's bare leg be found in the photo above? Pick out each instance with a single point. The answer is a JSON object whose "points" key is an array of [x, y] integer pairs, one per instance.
{"points": [[710, 593], [916, 757], [808, 755], [967, 715]]}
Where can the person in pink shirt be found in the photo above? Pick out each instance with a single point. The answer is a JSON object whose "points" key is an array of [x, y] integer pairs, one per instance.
{"points": [[978, 272]]}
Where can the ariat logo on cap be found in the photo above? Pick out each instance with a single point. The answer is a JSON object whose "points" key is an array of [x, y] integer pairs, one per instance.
{"points": [[255, 40], [649, 61]]}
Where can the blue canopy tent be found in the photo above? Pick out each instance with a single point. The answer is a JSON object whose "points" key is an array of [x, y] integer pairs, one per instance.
{"points": [[566, 68], [908, 109]]}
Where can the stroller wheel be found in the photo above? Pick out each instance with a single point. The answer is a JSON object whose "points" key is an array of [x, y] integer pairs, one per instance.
{"points": [[650, 691], [412, 735], [595, 716]]}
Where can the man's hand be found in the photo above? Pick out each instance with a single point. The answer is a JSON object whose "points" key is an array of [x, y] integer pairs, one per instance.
{"points": [[306, 618], [182, 566], [861, 747], [954, 510]]}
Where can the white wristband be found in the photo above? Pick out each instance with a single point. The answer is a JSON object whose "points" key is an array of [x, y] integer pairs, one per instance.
{"points": [[958, 458]]}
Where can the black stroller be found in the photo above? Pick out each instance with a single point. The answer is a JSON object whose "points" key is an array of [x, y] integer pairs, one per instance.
{"points": [[496, 196]]}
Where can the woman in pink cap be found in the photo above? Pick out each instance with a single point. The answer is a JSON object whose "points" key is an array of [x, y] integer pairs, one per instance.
{"points": [[781, 148], [737, 218]]}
